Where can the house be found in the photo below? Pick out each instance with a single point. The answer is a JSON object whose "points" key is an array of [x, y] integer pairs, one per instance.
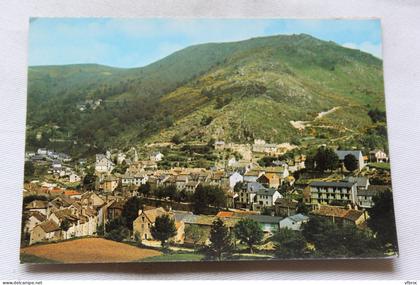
{"points": [[280, 171], [114, 210], [365, 197], [74, 178], [260, 146], [356, 153], [333, 192], [191, 186], [121, 157], [266, 197], [56, 165], [37, 206], [181, 181], [91, 199], [294, 222], [110, 183], [72, 194], [146, 219], [219, 145], [270, 180], [156, 156], [362, 182], [235, 178], [251, 176], [231, 162], [246, 197], [340, 215], [42, 151], [378, 155], [285, 207], [45, 231], [35, 218], [103, 164], [269, 224]]}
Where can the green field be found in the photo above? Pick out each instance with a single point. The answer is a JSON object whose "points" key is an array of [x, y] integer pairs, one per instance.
{"points": [[380, 165]]}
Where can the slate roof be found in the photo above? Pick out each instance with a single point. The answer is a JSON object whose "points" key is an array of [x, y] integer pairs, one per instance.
{"points": [[330, 211], [264, 219], [286, 203], [37, 204], [339, 184], [154, 213], [268, 192], [49, 226], [298, 218], [353, 215], [360, 180], [373, 190], [254, 186], [40, 217], [342, 153]]}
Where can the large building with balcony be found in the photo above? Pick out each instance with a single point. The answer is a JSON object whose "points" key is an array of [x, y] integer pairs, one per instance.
{"points": [[327, 193]]}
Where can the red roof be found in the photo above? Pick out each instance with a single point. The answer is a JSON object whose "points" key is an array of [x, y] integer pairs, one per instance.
{"points": [[224, 214]]}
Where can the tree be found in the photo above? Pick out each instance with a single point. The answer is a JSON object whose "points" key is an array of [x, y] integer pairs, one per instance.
{"points": [[200, 199], [130, 211], [176, 139], [195, 233], [350, 162], [326, 158], [64, 226], [29, 169], [249, 232], [89, 182], [289, 244], [144, 189], [208, 195], [382, 219], [333, 240], [163, 229], [302, 208], [220, 241], [116, 230], [238, 186]]}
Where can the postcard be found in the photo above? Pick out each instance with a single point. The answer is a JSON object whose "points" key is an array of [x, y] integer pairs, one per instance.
{"points": [[169, 140]]}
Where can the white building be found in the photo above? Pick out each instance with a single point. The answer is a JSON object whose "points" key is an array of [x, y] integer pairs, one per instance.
{"points": [[356, 153], [156, 156], [378, 155], [294, 222], [74, 178], [103, 164], [266, 197], [235, 178]]}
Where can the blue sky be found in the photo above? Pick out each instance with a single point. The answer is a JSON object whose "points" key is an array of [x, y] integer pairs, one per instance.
{"points": [[138, 42]]}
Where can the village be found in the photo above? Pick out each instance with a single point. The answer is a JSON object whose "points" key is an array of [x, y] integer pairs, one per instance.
{"points": [[277, 186]]}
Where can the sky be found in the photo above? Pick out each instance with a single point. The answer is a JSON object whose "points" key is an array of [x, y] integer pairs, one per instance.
{"points": [[138, 42]]}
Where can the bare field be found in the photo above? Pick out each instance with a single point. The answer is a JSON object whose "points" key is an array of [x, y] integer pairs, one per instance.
{"points": [[89, 250]]}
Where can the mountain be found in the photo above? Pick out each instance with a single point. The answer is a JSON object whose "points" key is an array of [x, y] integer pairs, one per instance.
{"points": [[279, 88]]}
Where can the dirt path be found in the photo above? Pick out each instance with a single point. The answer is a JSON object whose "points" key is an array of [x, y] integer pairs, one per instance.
{"points": [[301, 125]]}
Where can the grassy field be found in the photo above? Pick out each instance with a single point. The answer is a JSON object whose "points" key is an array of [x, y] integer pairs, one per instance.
{"points": [[89, 250], [380, 165]]}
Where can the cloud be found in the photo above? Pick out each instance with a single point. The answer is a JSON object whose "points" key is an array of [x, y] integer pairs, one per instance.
{"points": [[373, 49]]}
